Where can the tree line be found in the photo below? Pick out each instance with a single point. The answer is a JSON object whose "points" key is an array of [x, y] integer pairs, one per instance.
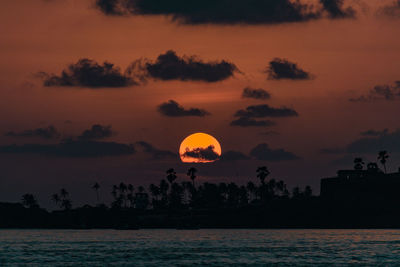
{"points": [[170, 194]]}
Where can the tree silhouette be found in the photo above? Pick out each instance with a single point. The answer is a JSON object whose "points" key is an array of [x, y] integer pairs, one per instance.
{"points": [[56, 199], [252, 190], [308, 191], [122, 193], [66, 204], [262, 173], [382, 157], [296, 192], [29, 201], [358, 163], [171, 175], [192, 174], [64, 193], [164, 186], [96, 187]]}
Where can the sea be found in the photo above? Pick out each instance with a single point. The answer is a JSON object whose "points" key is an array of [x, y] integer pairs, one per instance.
{"points": [[204, 247]]}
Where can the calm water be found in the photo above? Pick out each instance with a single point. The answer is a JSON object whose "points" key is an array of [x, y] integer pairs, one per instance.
{"points": [[201, 247]]}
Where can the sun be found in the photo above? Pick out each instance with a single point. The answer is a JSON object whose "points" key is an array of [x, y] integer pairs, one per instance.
{"points": [[200, 148]]}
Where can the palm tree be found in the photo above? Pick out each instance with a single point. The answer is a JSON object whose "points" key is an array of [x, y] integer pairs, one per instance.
{"points": [[131, 188], [358, 163], [66, 204], [164, 186], [131, 198], [192, 174], [251, 188], [64, 193], [29, 201], [55, 198], [114, 192], [262, 173], [308, 191], [296, 192], [155, 191], [96, 187], [382, 157], [122, 189], [171, 175], [141, 189]]}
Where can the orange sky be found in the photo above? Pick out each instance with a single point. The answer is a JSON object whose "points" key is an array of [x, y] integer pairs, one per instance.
{"points": [[347, 57]]}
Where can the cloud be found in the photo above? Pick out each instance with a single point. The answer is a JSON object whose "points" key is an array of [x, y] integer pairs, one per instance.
{"points": [[255, 93], [202, 153], [233, 156], [96, 132], [392, 10], [262, 111], [156, 153], [283, 69], [45, 133], [263, 152], [88, 73], [73, 149], [249, 122], [335, 9], [225, 11], [270, 133], [169, 66], [380, 92], [375, 133], [332, 151], [389, 141], [173, 109]]}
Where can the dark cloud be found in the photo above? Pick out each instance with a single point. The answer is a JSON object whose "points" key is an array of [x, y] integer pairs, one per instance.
{"points": [[255, 93], [73, 149], [283, 69], [269, 133], [249, 122], [335, 9], [45, 133], [225, 11], [233, 156], [263, 152], [392, 10], [262, 111], [88, 73], [375, 133], [156, 153], [96, 132], [202, 153], [389, 141], [380, 92], [332, 151], [170, 66], [173, 109]]}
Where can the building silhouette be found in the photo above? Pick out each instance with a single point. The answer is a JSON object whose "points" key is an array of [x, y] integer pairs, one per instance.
{"points": [[370, 186]]}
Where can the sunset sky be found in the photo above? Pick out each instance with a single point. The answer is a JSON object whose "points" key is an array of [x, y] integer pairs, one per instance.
{"points": [[181, 68]]}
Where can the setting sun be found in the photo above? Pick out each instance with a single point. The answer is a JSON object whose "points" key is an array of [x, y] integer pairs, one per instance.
{"points": [[199, 148]]}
